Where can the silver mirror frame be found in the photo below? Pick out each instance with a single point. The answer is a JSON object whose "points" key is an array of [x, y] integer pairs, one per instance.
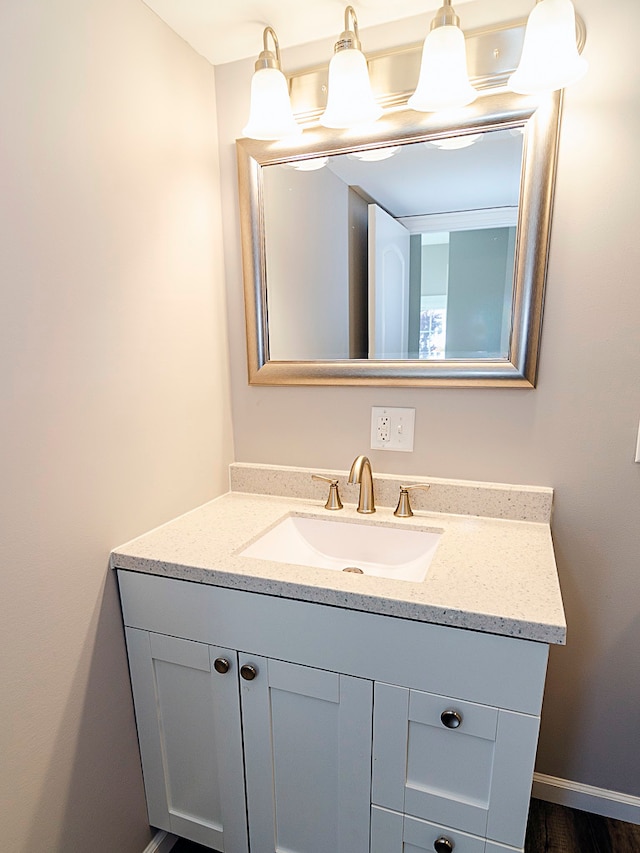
{"points": [[497, 110]]}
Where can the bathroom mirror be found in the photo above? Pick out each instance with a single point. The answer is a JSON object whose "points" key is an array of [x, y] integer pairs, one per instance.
{"points": [[412, 254]]}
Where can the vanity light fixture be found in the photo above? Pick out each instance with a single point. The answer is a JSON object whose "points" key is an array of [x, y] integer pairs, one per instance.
{"points": [[350, 101], [549, 44], [270, 114], [550, 58], [444, 81]]}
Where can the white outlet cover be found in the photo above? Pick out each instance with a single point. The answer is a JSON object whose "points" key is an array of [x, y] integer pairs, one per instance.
{"points": [[401, 428]]}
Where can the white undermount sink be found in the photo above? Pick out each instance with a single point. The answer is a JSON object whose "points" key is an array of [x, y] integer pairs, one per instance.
{"points": [[386, 552]]}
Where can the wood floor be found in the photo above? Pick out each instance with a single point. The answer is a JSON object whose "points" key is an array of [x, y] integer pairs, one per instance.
{"points": [[551, 829], [556, 829]]}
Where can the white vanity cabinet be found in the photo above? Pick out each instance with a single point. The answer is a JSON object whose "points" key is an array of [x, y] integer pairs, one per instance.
{"points": [[190, 737], [453, 763], [269, 725], [307, 739]]}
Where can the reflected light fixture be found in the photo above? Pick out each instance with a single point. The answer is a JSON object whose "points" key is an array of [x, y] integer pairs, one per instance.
{"points": [[311, 165], [454, 143], [444, 80], [374, 155], [550, 58], [270, 114], [350, 101]]}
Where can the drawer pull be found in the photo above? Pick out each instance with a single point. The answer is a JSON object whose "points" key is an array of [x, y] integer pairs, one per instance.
{"points": [[443, 845], [451, 719], [221, 665], [248, 672]]}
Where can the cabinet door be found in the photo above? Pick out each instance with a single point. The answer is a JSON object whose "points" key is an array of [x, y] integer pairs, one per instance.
{"points": [[307, 739], [188, 717], [475, 776]]}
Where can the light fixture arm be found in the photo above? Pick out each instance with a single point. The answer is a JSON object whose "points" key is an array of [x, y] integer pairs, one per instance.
{"points": [[269, 59], [581, 33], [350, 38], [445, 16]]}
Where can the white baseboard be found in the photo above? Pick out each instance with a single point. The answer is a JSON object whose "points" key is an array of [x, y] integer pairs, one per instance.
{"points": [[586, 798], [162, 842]]}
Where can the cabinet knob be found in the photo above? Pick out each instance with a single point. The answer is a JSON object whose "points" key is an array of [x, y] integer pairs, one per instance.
{"points": [[443, 845], [248, 672], [221, 665], [451, 719]]}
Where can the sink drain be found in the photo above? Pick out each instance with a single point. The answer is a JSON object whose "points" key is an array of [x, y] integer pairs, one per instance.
{"points": [[354, 569]]}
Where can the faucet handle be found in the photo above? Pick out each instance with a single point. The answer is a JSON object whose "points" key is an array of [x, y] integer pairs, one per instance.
{"points": [[333, 501], [403, 510]]}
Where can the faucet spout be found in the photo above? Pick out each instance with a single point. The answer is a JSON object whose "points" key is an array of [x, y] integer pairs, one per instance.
{"points": [[361, 473]]}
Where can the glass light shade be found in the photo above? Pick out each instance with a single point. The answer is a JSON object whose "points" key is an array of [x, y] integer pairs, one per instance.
{"points": [[550, 58], [270, 115], [350, 101], [444, 81]]}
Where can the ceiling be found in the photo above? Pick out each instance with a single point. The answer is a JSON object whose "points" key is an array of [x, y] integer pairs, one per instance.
{"points": [[226, 30]]}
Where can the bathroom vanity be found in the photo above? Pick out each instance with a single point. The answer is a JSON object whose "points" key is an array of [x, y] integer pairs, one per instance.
{"points": [[303, 710]]}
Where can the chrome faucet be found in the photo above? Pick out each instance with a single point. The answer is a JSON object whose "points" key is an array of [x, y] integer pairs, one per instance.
{"points": [[361, 473]]}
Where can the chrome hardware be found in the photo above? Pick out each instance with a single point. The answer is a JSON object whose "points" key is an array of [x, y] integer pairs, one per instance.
{"points": [[451, 719], [333, 501], [403, 510], [221, 665], [248, 672], [443, 844], [361, 473]]}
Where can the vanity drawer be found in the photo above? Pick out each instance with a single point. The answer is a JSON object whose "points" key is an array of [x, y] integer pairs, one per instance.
{"points": [[466, 765], [392, 832]]}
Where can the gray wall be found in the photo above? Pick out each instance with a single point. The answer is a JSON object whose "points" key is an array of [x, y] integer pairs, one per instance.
{"points": [[575, 432], [306, 249], [480, 270], [114, 405]]}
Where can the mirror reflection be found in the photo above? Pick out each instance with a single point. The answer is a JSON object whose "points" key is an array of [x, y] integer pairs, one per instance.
{"points": [[330, 300], [403, 252]]}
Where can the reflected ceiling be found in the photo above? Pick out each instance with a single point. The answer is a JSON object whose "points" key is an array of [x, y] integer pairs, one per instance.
{"points": [[421, 180]]}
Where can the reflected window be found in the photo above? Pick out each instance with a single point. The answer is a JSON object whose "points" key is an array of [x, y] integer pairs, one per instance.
{"points": [[433, 333]]}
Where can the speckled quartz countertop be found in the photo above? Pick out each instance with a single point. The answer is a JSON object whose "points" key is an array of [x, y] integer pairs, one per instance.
{"points": [[494, 569]]}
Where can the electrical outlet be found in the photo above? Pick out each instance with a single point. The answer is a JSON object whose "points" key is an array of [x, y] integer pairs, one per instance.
{"points": [[392, 429], [382, 428]]}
